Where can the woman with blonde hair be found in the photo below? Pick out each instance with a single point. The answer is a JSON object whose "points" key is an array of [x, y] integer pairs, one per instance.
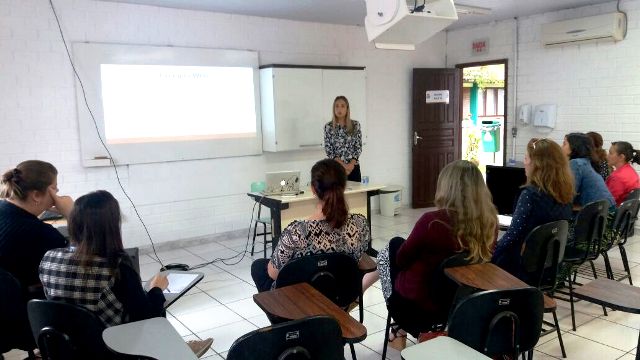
{"points": [[343, 138], [547, 196], [465, 220]]}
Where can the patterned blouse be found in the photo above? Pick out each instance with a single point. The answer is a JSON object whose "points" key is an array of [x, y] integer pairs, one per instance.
{"points": [[339, 144], [311, 237], [604, 170]]}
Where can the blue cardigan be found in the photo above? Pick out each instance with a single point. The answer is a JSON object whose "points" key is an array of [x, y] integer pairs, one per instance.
{"points": [[589, 185], [534, 208]]}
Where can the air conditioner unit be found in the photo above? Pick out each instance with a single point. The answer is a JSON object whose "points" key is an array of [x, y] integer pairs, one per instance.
{"points": [[606, 27]]}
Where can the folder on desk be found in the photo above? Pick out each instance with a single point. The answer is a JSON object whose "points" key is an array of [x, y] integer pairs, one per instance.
{"points": [[179, 283]]}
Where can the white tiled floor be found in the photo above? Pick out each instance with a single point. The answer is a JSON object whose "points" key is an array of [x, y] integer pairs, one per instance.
{"points": [[221, 306]]}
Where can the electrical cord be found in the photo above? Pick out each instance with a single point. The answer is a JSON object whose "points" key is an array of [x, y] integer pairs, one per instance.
{"points": [[246, 245], [113, 164]]}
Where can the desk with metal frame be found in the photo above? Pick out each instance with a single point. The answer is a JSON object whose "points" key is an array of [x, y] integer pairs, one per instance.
{"points": [[284, 209]]}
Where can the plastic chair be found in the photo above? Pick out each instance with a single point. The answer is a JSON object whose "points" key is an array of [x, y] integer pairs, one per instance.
{"points": [[448, 291], [499, 322], [633, 195], [589, 227], [544, 249], [317, 337], [14, 331], [265, 221], [618, 235], [68, 332], [334, 275]]}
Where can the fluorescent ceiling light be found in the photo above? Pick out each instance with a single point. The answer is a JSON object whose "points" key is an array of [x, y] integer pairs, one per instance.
{"points": [[472, 10]]}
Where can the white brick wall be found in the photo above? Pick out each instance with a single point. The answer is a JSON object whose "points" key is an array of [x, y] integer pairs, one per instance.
{"points": [[38, 109], [596, 86]]}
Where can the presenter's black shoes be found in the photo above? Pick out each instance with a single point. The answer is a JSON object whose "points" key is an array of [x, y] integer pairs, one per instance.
{"points": [[199, 347]]}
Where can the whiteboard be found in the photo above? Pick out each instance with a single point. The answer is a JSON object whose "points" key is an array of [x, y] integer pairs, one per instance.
{"points": [[88, 57]]}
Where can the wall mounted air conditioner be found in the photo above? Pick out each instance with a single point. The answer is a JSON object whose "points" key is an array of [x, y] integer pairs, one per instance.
{"points": [[606, 27]]}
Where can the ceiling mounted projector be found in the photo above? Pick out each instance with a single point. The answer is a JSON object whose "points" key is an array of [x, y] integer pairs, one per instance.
{"points": [[395, 24]]}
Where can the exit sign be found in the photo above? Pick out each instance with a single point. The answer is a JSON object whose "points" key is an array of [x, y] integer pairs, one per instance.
{"points": [[480, 46]]}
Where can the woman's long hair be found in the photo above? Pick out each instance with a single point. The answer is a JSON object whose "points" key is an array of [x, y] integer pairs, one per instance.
{"points": [[329, 180], [550, 170], [347, 118], [461, 189], [94, 228], [582, 147], [599, 153]]}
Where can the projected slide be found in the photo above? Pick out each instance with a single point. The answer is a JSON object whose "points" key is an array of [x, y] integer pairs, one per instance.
{"points": [[161, 103]]}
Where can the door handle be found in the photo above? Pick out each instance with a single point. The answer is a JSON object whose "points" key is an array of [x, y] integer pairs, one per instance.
{"points": [[416, 138]]}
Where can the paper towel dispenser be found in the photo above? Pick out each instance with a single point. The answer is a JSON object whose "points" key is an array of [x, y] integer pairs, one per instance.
{"points": [[544, 117]]}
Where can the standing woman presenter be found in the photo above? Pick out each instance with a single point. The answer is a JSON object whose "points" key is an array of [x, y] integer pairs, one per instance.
{"points": [[343, 139]]}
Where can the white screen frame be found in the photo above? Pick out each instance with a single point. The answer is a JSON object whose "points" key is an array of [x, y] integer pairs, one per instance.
{"points": [[89, 56]]}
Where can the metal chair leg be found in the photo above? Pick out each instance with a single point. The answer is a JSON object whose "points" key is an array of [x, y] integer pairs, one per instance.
{"points": [[386, 337], [595, 276], [625, 262], [264, 238], [555, 321], [573, 314], [353, 351], [253, 243]]}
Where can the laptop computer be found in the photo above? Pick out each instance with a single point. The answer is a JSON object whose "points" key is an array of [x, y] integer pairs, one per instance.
{"points": [[282, 183]]}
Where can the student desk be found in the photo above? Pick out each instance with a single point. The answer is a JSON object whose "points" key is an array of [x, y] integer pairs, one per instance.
{"points": [[442, 347], [613, 294], [155, 338], [486, 276], [285, 209], [302, 300]]}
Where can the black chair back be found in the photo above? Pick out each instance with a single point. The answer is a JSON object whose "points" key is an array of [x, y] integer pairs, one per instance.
{"points": [[335, 275], [623, 221], [317, 337], [14, 324], [66, 331], [449, 291], [589, 228], [543, 251], [499, 322], [633, 195]]}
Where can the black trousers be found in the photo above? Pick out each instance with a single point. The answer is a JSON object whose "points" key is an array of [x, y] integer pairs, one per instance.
{"points": [[355, 174], [260, 275], [406, 313]]}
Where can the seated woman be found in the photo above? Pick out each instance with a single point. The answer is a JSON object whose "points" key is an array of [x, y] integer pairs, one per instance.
{"points": [[29, 189], [96, 272], [547, 196], [600, 155], [329, 229], [624, 178], [466, 220], [589, 185]]}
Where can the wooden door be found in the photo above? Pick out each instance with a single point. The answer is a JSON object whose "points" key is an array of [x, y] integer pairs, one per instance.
{"points": [[436, 130]]}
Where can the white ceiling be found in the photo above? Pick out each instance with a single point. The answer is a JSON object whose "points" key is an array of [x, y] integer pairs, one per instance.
{"points": [[352, 12]]}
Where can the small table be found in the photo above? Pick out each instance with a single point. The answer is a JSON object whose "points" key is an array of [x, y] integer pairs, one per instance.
{"points": [[155, 338], [302, 300], [612, 294], [285, 209], [486, 276], [442, 347]]}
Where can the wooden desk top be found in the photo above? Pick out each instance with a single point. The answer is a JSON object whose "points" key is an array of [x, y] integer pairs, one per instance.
{"points": [[302, 300], [610, 293], [352, 188], [486, 276]]}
